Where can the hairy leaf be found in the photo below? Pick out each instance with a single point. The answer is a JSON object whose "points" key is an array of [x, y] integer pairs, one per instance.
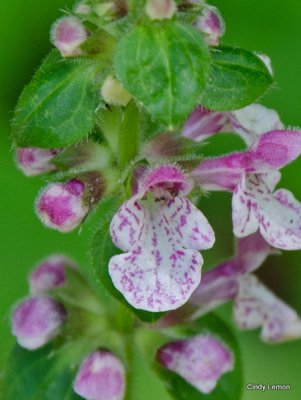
{"points": [[236, 79], [57, 108], [164, 66]]}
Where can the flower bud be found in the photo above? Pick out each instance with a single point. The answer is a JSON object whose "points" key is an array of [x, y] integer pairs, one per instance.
{"points": [[67, 34], [36, 321], [160, 9], [61, 205], [82, 8], [34, 161], [101, 376], [211, 24], [49, 274], [200, 360], [113, 93]]}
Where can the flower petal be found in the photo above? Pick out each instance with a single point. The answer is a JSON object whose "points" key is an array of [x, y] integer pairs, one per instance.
{"points": [[251, 252], [158, 273], [254, 120], [127, 223], [200, 360], [164, 179], [221, 173], [191, 227], [280, 220], [244, 210], [257, 306], [274, 150], [203, 123]]}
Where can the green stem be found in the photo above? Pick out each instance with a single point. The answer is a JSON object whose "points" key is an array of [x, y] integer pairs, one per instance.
{"points": [[129, 135]]}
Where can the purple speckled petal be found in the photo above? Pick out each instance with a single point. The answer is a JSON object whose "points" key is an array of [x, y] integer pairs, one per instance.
{"points": [[244, 209], [101, 376], [253, 121], [256, 306], [36, 321], [202, 123], [280, 220], [200, 360], [163, 266]]}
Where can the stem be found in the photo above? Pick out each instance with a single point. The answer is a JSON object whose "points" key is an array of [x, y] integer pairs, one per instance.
{"points": [[109, 121], [129, 135]]}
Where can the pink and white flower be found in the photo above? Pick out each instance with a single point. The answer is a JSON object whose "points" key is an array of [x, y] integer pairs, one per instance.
{"points": [[101, 376], [36, 321], [252, 175], [249, 122], [220, 284], [61, 206], [200, 360], [256, 306], [34, 161], [160, 231]]}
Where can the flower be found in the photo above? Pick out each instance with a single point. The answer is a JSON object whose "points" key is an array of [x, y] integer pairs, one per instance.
{"points": [[256, 306], [252, 175], [200, 360], [49, 274], [34, 161], [67, 34], [161, 232], [36, 321], [101, 376], [61, 205], [211, 24], [220, 283], [249, 122]]}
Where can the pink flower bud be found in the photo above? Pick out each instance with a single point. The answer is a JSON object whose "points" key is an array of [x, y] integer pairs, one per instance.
{"points": [[211, 24], [160, 9], [67, 34], [49, 274], [61, 205], [101, 376], [36, 321], [200, 360], [34, 161]]}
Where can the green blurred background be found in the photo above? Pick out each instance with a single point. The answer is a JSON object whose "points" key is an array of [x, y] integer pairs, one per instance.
{"points": [[270, 27]]}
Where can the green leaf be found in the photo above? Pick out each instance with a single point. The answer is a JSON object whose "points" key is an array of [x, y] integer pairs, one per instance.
{"points": [[57, 108], [164, 66], [229, 386], [102, 249], [36, 375], [236, 79]]}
